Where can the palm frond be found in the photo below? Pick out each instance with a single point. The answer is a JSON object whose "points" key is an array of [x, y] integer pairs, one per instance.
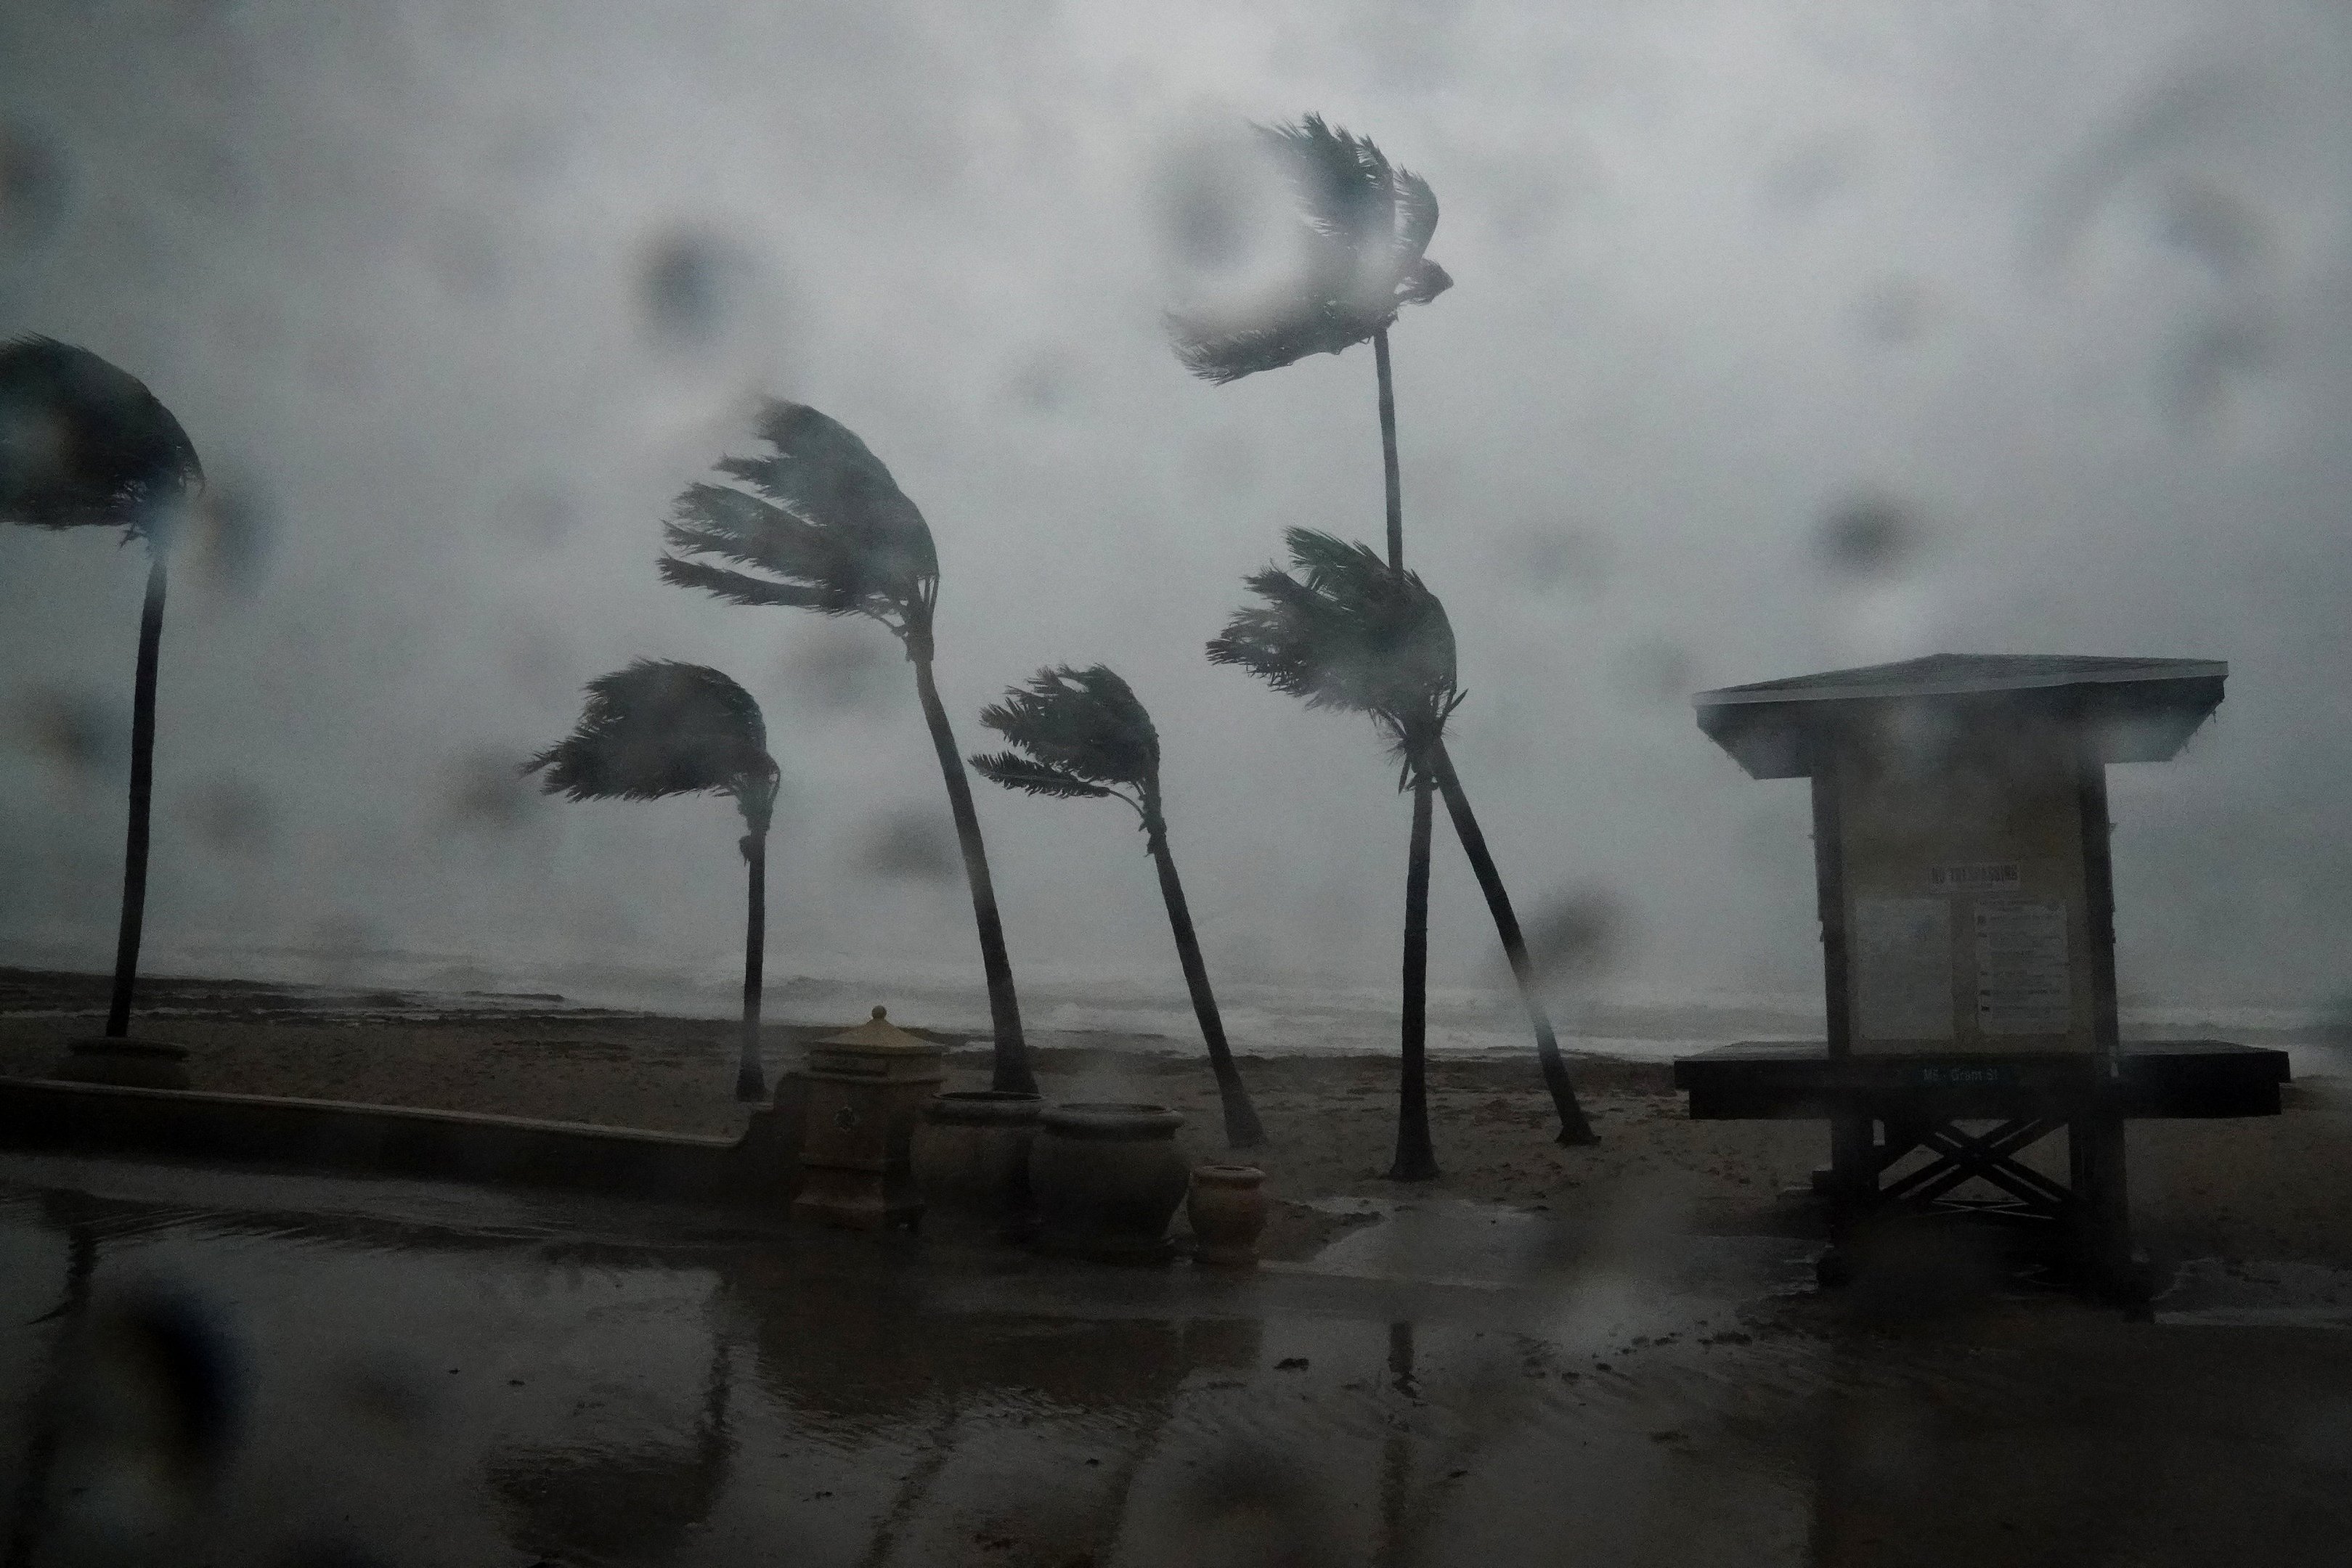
{"points": [[1416, 215], [1016, 771], [83, 443], [1346, 191], [821, 516], [1268, 335], [1342, 630], [662, 727], [739, 587], [1365, 226], [1084, 723]]}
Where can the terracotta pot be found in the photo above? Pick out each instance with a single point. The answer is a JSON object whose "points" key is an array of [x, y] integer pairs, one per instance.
{"points": [[1107, 1179], [1227, 1208], [971, 1159]]}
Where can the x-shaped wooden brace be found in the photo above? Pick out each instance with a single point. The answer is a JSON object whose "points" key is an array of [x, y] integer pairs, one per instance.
{"points": [[1963, 1156]]}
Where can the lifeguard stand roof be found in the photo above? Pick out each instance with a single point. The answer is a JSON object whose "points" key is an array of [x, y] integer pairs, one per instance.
{"points": [[2138, 710]]}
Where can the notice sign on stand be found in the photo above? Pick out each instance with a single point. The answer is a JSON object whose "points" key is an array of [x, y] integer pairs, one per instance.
{"points": [[1903, 968], [2023, 986]]}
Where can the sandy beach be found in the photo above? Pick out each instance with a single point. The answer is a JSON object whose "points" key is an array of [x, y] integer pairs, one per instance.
{"points": [[2265, 1188]]}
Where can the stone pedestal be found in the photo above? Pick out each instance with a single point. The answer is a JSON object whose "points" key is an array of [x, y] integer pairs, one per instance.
{"points": [[864, 1091]]}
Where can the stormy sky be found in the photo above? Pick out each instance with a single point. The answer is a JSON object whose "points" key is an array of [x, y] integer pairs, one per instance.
{"points": [[453, 298]]}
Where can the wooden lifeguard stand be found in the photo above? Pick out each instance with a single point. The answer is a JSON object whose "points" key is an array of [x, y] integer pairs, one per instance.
{"points": [[1966, 908]]}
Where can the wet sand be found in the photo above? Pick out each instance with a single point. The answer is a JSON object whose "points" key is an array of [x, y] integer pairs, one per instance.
{"points": [[2271, 1189]]}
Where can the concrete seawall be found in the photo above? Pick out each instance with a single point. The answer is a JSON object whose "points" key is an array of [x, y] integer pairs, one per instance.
{"points": [[761, 1169]]}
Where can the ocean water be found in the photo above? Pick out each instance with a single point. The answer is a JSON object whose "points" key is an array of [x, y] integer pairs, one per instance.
{"points": [[1140, 1010]]}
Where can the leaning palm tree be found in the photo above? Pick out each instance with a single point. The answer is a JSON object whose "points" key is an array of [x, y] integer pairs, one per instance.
{"points": [[1364, 228], [1349, 633], [1079, 734], [84, 445], [825, 527], [660, 728]]}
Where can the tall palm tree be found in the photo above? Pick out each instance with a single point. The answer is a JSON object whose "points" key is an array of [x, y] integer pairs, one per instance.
{"points": [[825, 527], [1350, 632], [84, 445], [660, 728], [1365, 226], [1079, 734]]}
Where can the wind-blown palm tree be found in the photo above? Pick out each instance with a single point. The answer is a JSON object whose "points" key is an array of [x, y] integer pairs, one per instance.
{"points": [[1349, 633], [1365, 226], [1081, 734], [84, 445], [825, 527], [659, 728]]}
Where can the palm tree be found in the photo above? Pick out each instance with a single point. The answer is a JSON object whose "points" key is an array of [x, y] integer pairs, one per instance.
{"points": [[1082, 734], [828, 529], [660, 728], [1365, 226], [1350, 632], [84, 445]]}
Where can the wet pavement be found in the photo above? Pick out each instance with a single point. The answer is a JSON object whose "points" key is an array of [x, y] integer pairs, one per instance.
{"points": [[203, 1366]]}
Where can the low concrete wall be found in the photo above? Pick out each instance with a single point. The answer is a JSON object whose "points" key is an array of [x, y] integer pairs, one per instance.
{"points": [[760, 1169]]}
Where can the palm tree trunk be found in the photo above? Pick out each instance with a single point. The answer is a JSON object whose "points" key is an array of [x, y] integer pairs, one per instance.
{"points": [[142, 792], [748, 1083], [1242, 1129], [1573, 1128], [1415, 1159], [1389, 451], [1012, 1071]]}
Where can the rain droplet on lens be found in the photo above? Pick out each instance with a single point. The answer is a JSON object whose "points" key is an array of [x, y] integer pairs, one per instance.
{"points": [[77, 731], [233, 531], [1897, 311], [538, 514], [1046, 382], [1654, 670], [233, 815], [2215, 226], [2214, 359], [1573, 937], [837, 668], [912, 844], [1866, 536], [690, 284], [1542, 558], [174, 1397], [34, 186], [486, 790]]}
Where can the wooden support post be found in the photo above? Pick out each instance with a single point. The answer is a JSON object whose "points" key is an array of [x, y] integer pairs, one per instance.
{"points": [[1854, 1171], [2105, 1245], [2096, 1140], [1853, 1167]]}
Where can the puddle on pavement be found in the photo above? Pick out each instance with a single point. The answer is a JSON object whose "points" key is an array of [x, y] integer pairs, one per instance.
{"points": [[204, 1366], [2222, 1294]]}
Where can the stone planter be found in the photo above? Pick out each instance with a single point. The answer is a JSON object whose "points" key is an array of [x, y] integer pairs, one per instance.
{"points": [[1227, 1208], [863, 1091], [971, 1160], [1107, 1179]]}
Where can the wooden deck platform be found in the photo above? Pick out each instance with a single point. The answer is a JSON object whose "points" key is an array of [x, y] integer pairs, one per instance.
{"points": [[1898, 1150], [1782, 1079]]}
